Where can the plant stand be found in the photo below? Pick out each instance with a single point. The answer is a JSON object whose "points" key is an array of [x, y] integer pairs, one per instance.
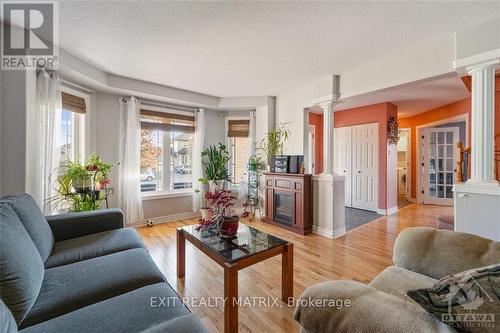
{"points": [[253, 197]]}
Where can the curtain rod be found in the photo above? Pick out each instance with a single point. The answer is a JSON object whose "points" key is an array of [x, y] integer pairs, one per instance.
{"points": [[147, 102]]}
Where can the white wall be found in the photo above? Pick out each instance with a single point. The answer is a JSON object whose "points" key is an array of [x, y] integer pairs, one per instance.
{"points": [[214, 132], [419, 63], [479, 39], [13, 110], [290, 108]]}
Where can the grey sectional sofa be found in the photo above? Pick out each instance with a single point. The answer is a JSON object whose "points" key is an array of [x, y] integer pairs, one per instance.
{"points": [[81, 272]]}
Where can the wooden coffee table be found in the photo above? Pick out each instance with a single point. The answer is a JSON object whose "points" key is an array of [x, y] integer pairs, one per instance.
{"points": [[249, 247]]}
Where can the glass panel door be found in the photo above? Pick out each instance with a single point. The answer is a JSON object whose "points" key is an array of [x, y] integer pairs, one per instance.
{"points": [[439, 164]]}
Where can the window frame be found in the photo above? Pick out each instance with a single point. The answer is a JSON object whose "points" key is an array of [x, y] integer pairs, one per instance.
{"points": [[152, 195], [231, 185]]}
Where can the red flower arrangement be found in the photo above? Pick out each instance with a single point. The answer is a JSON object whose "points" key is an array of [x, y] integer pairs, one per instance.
{"points": [[221, 204]]}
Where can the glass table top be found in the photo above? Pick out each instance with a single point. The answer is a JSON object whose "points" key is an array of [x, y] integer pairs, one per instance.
{"points": [[249, 241]]}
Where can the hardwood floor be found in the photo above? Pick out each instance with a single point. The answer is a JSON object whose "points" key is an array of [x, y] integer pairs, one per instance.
{"points": [[359, 255]]}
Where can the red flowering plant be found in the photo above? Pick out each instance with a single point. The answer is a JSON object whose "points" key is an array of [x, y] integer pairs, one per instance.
{"points": [[221, 203]]}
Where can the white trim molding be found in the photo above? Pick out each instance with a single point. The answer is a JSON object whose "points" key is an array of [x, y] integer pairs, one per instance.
{"points": [[165, 219], [329, 232], [387, 212]]}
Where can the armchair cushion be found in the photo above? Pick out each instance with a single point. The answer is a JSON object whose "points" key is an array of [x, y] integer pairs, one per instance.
{"points": [[437, 253], [72, 225], [366, 313], [34, 222], [21, 267], [397, 281], [92, 246]]}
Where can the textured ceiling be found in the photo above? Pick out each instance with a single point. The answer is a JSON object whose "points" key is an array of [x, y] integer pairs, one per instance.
{"points": [[252, 48]]}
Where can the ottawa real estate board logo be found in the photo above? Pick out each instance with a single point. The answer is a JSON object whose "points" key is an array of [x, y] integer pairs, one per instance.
{"points": [[29, 35]]}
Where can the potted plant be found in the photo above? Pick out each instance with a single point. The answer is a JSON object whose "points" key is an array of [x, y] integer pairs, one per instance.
{"points": [[224, 217], [79, 185], [272, 144], [214, 160], [205, 209]]}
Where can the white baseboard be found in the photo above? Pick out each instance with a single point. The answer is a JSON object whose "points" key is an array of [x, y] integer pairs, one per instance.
{"points": [[168, 218], [328, 232], [339, 232], [392, 210]]}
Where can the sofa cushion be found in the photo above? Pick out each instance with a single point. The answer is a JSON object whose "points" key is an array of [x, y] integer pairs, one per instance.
{"points": [[71, 287], [7, 322], [134, 311], [34, 221], [456, 299], [323, 308], [438, 253], [92, 246], [397, 281], [21, 268]]}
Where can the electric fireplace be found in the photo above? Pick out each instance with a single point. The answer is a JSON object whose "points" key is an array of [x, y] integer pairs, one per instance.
{"points": [[288, 201]]}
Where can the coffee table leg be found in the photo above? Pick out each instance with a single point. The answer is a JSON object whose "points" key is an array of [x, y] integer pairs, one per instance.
{"points": [[287, 273], [181, 253], [231, 298]]}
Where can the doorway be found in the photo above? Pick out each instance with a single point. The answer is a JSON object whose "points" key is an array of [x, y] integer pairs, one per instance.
{"points": [[438, 164], [312, 149], [403, 168]]}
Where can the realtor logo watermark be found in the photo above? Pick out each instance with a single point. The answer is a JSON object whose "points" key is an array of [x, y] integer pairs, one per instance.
{"points": [[471, 300], [30, 35]]}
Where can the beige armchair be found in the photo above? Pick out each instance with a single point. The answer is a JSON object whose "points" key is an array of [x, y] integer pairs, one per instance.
{"points": [[421, 256]]}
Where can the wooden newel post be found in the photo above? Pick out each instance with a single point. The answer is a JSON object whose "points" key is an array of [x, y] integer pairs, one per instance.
{"points": [[460, 162]]}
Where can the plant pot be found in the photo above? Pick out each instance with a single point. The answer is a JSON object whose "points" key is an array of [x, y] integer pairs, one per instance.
{"points": [[82, 184], [216, 185], [229, 226], [205, 213]]}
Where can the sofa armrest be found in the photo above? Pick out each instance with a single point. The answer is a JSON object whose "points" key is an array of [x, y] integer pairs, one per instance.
{"points": [[350, 306], [437, 253], [72, 225]]}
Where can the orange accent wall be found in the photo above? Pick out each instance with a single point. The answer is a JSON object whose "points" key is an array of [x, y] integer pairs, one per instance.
{"points": [[316, 119], [377, 113], [444, 112]]}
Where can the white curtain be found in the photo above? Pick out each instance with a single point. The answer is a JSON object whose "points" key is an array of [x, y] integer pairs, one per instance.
{"points": [[44, 126], [251, 134], [129, 185], [198, 143]]}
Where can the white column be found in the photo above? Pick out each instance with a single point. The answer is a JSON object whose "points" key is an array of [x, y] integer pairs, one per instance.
{"points": [[328, 125], [483, 124]]}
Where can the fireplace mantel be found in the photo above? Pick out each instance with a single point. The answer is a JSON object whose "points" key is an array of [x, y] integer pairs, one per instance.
{"points": [[289, 201]]}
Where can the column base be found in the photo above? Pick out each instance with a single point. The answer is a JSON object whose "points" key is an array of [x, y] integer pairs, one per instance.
{"points": [[482, 183]]}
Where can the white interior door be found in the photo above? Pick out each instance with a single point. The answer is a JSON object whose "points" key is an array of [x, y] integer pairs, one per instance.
{"points": [[312, 150], [343, 159], [365, 167], [439, 162]]}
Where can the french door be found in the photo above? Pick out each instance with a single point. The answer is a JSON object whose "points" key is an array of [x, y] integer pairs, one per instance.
{"points": [[342, 159], [439, 164], [365, 166]]}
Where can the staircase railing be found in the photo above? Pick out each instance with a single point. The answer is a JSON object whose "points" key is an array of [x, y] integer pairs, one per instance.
{"points": [[463, 160]]}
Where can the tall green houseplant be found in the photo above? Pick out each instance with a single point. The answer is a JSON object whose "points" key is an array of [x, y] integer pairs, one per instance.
{"points": [[215, 160], [272, 144]]}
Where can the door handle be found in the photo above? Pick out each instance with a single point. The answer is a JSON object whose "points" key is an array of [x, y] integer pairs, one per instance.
{"points": [[359, 171]]}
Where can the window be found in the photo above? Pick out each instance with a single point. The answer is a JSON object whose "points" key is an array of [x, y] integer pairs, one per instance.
{"points": [[238, 144], [71, 138], [166, 151]]}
